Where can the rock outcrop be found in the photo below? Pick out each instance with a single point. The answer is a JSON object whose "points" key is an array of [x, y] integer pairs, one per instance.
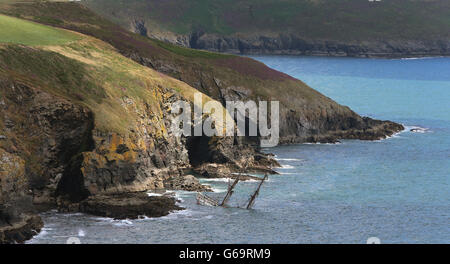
{"points": [[129, 205], [18, 221], [21, 230], [187, 182], [292, 44]]}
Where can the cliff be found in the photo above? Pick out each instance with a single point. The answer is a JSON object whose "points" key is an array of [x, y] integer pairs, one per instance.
{"points": [[85, 129], [294, 44], [394, 28]]}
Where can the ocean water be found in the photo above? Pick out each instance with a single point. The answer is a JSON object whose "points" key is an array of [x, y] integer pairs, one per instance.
{"points": [[396, 189]]}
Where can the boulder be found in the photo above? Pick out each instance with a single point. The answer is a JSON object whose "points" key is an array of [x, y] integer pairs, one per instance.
{"points": [[129, 205], [187, 183]]}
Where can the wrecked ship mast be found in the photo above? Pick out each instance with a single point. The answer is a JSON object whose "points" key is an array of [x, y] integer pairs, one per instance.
{"points": [[203, 199]]}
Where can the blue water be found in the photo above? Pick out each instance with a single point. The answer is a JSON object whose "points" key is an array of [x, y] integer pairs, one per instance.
{"points": [[395, 189]]}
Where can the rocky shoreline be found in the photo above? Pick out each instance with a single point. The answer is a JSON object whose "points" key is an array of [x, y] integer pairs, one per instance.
{"points": [[21, 230], [292, 44]]}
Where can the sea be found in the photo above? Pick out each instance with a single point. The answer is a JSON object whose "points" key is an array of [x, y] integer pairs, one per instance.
{"points": [[395, 190]]}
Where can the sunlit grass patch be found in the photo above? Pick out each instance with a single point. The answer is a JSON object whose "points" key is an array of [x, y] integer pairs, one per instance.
{"points": [[18, 31]]}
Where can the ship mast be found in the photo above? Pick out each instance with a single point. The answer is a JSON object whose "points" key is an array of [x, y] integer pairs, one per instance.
{"points": [[253, 197], [230, 192]]}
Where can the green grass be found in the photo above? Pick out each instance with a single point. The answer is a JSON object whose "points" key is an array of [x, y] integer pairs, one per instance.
{"points": [[316, 19], [191, 53], [89, 72], [14, 30]]}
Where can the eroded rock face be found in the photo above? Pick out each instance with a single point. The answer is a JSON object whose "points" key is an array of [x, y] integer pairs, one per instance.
{"points": [[149, 157], [18, 222], [292, 44], [187, 182], [21, 230], [56, 156], [13, 182], [46, 132], [330, 125]]}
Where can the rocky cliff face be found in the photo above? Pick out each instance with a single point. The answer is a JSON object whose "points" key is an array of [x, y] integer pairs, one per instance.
{"points": [[305, 115], [65, 155], [54, 152], [46, 131], [18, 221], [292, 44]]}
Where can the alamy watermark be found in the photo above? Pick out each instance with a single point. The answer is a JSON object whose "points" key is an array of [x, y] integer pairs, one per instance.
{"points": [[238, 118]]}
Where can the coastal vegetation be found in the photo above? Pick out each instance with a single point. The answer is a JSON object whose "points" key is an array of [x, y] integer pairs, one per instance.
{"points": [[317, 19], [357, 28]]}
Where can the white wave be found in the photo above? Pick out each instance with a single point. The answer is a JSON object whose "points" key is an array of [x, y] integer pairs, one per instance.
{"points": [[109, 220], [81, 233], [421, 58], [326, 144], [252, 180], [125, 222], [103, 219], [41, 234], [413, 129], [290, 159], [287, 167], [178, 214], [219, 190], [72, 214], [417, 129], [154, 194], [288, 173], [216, 179], [395, 135]]}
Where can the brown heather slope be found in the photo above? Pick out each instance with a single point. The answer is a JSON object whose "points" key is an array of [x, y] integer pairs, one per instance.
{"points": [[306, 115]]}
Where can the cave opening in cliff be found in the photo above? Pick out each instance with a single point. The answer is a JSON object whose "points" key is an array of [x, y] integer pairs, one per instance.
{"points": [[71, 184], [198, 150]]}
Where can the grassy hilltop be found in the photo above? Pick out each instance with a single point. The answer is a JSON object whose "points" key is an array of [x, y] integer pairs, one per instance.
{"points": [[79, 68], [197, 68], [13, 30], [311, 19]]}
